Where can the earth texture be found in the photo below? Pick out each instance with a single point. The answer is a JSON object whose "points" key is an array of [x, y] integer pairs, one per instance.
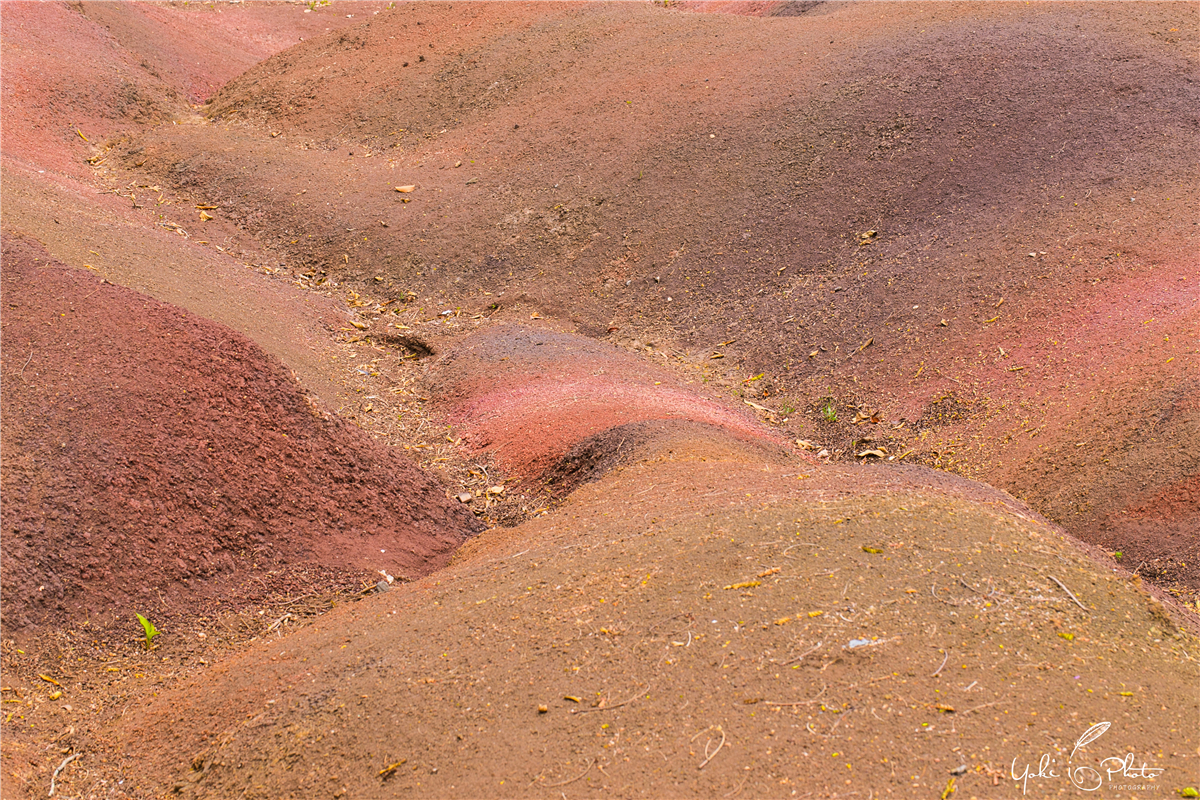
{"points": [[697, 399]]}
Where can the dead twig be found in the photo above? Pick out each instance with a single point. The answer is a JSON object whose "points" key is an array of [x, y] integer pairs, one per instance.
{"points": [[800, 657], [591, 761], [809, 727], [54, 777], [293, 600], [868, 683], [815, 698], [939, 669], [615, 705], [933, 592], [98, 288], [739, 786], [279, 622], [707, 757], [985, 705], [21, 374], [1068, 591]]}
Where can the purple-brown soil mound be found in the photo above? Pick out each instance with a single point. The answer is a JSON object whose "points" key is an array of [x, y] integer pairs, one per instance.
{"points": [[148, 452]]}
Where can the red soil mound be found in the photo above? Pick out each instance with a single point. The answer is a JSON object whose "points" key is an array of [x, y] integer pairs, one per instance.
{"points": [[529, 396], [148, 452]]}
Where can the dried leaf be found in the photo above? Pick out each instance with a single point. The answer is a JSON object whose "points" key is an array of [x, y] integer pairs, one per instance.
{"points": [[205, 216], [362, 326], [770, 571], [871, 549], [405, 189], [744, 585], [877, 452]]}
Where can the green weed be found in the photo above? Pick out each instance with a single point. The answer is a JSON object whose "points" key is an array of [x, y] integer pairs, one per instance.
{"points": [[150, 630]]}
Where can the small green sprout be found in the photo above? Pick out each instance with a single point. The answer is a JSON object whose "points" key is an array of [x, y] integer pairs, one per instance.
{"points": [[1118, 555], [150, 630], [829, 410]]}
